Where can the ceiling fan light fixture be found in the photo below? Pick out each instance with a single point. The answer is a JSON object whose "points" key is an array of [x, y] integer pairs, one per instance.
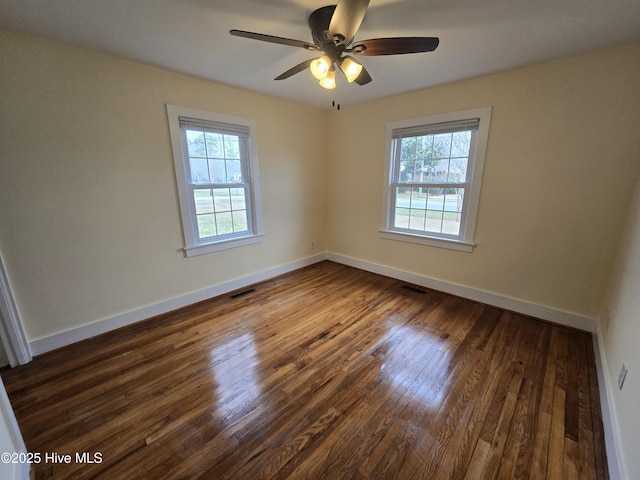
{"points": [[333, 29], [351, 68], [320, 67], [329, 82]]}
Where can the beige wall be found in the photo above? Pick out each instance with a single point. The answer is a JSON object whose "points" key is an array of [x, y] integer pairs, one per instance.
{"points": [[561, 163], [89, 218], [619, 340]]}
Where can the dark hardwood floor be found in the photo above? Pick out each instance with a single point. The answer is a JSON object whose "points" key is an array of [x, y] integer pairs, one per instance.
{"points": [[328, 372]]}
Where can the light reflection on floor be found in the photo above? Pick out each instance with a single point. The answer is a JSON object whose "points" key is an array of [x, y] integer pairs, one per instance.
{"points": [[418, 381], [235, 361]]}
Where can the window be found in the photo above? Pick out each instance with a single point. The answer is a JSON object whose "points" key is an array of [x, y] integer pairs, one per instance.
{"points": [[434, 173], [217, 178]]}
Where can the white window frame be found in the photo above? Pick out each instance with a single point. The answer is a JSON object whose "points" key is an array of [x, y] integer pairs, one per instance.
{"points": [[465, 240], [193, 244]]}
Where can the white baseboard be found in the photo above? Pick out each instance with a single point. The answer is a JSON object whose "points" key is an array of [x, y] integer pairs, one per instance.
{"points": [[520, 306], [612, 438], [58, 340]]}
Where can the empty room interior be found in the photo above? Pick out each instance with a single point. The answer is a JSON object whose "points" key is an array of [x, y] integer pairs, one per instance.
{"points": [[428, 267]]}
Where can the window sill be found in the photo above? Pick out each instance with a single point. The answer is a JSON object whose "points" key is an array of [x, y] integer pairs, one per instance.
{"points": [[430, 241], [205, 248]]}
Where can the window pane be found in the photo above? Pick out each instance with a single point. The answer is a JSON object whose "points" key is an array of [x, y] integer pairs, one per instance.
{"points": [[408, 148], [206, 225], [424, 146], [434, 221], [238, 198], [217, 171], [221, 199], [214, 145], [199, 170], [224, 223], [195, 143], [458, 170], [452, 211], [440, 170], [234, 171], [407, 171], [401, 219], [240, 223], [203, 200], [460, 144], [441, 145], [417, 218], [231, 147]]}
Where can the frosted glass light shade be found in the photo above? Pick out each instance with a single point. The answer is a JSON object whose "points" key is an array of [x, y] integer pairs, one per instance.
{"points": [[320, 67], [329, 82], [351, 68]]}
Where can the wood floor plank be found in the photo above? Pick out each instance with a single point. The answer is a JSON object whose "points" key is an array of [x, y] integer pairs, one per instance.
{"points": [[499, 440], [556, 467], [518, 453], [540, 460], [479, 458], [325, 372]]}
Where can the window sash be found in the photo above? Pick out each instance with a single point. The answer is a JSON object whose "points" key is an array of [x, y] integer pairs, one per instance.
{"points": [[243, 154], [394, 206], [397, 148], [199, 239]]}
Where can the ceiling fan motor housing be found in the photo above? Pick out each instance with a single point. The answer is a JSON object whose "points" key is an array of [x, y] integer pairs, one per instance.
{"points": [[319, 21]]}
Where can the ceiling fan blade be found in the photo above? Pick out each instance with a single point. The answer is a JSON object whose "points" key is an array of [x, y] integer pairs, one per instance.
{"points": [[363, 78], [297, 69], [347, 18], [395, 46], [271, 39]]}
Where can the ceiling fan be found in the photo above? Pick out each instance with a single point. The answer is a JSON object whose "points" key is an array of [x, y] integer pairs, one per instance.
{"points": [[333, 29]]}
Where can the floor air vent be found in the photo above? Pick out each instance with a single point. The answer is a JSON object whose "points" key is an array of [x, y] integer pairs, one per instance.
{"points": [[243, 293], [414, 289]]}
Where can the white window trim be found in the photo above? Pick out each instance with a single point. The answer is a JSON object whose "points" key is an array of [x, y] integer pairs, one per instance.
{"points": [[466, 242], [181, 158]]}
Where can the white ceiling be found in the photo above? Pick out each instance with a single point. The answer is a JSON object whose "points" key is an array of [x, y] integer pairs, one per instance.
{"points": [[191, 36]]}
